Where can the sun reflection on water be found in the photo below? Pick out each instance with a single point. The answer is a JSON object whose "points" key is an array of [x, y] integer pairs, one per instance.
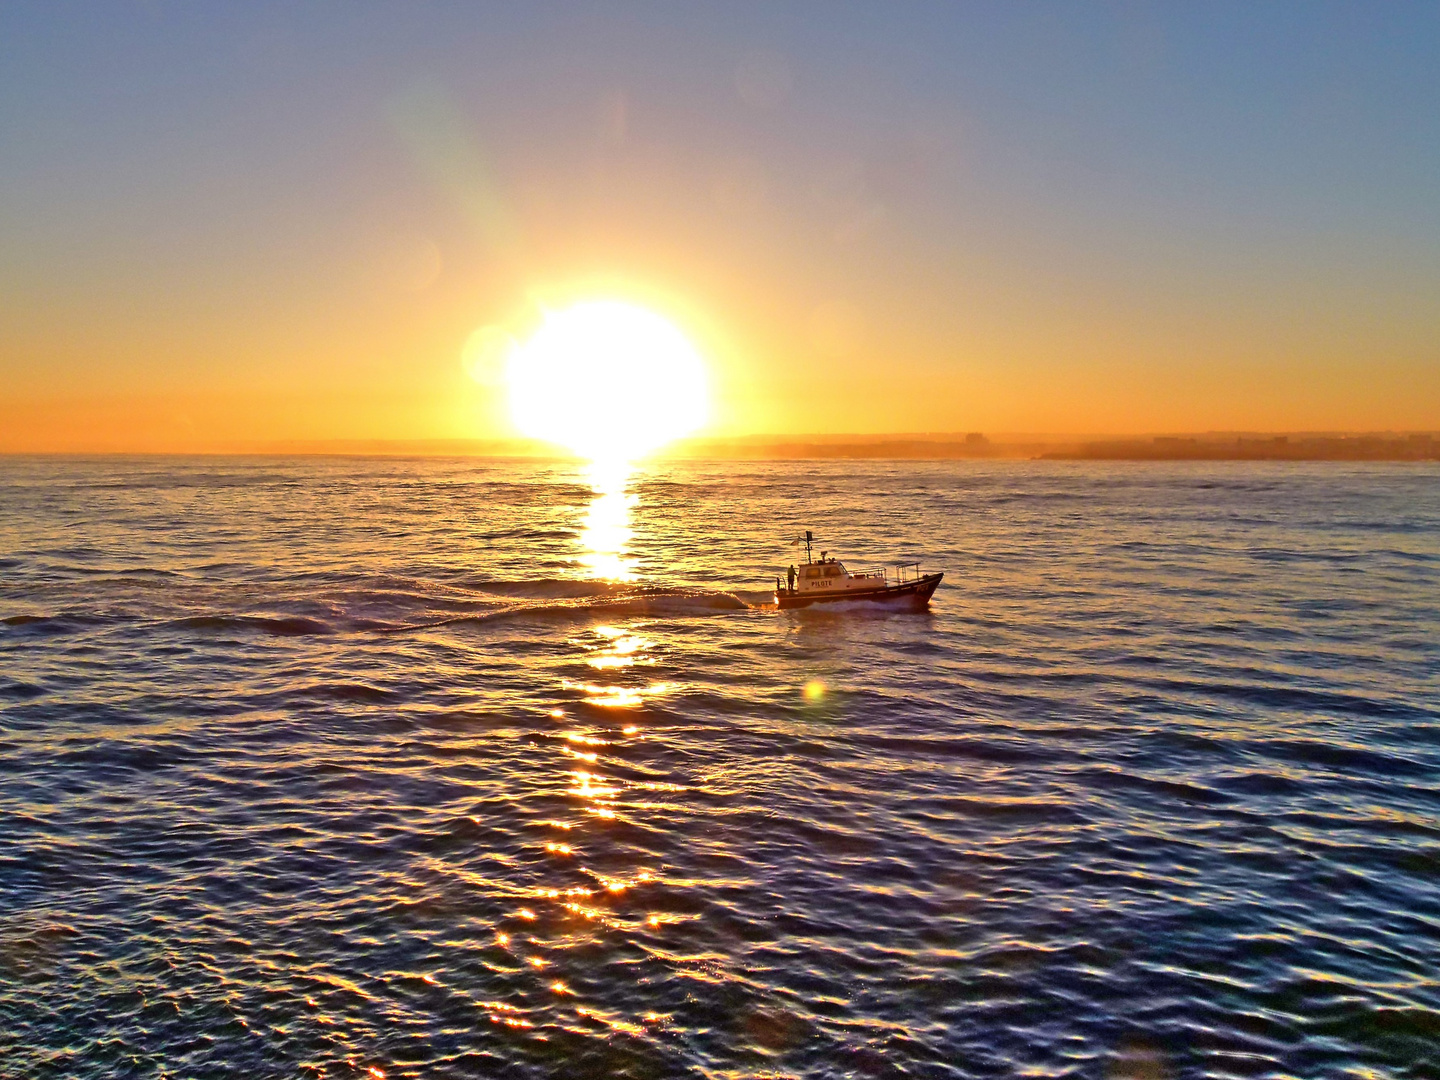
{"points": [[577, 897], [619, 650], [605, 536]]}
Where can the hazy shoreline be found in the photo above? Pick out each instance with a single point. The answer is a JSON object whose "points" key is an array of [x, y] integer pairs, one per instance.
{"points": [[1367, 447], [1210, 446]]}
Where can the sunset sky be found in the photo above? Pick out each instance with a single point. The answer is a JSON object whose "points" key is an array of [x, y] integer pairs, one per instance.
{"points": [[251, 222]]}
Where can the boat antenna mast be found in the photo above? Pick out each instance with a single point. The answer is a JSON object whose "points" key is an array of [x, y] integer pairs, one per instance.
{"points": [[809, 539]]}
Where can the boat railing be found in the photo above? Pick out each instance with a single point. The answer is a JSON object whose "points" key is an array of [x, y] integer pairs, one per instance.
{"points": [[902, 574]]}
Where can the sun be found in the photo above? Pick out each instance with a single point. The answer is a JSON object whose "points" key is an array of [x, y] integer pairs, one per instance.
{"points": [[610, 380]]}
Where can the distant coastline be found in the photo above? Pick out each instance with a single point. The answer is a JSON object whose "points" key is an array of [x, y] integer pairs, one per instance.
{"points": [[1423, 446], [1210, 446]]}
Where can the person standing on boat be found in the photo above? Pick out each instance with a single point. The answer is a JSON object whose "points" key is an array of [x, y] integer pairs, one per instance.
{"points": [[790, 577]]}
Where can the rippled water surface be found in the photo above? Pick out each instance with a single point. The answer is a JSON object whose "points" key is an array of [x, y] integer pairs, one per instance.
{"points": [[356, 767]]}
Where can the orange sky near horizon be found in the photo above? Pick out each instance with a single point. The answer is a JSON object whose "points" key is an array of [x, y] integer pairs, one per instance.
{"points": [[274, 241]]}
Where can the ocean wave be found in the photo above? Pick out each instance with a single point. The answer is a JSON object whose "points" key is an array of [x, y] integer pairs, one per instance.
{"points": [[113, 571], [358, 692], [1342, 759], [526, 534], [547, 588], [59, 623], [279, 626], [1294, 698], [672, 602], [20, 691]]}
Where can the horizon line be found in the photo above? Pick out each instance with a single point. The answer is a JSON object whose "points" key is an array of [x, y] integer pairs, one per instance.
{"points": [[1283, 444]]}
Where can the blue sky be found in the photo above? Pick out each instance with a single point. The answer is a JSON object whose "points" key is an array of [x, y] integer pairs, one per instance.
{"points": [[1231, 211]]}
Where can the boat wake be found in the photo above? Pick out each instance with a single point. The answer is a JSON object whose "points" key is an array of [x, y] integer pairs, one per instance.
{"points": [[627, 602], [400, 606]]}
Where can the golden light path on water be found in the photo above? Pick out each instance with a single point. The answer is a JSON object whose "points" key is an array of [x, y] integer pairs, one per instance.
{"points": [[614, 654], [559, 919], [612, 382], [605, 535]]}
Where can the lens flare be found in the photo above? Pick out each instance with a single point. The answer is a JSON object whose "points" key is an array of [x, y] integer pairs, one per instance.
{"points": [[609, 380]]}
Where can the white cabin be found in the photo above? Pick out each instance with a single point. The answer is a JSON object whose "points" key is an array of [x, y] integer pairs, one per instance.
{"points": [[830, 575]]}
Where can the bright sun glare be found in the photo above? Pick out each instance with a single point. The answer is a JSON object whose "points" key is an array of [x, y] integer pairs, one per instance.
{"points": [[610, 380]]}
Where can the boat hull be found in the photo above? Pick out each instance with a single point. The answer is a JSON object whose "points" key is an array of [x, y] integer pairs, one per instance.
{"points": [[913, 595]]}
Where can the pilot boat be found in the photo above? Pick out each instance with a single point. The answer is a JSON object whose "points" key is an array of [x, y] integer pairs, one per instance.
{"points": [[827, 581]]}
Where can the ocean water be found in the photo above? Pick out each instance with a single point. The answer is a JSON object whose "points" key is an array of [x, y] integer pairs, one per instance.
{"points": [[362, 767]]}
